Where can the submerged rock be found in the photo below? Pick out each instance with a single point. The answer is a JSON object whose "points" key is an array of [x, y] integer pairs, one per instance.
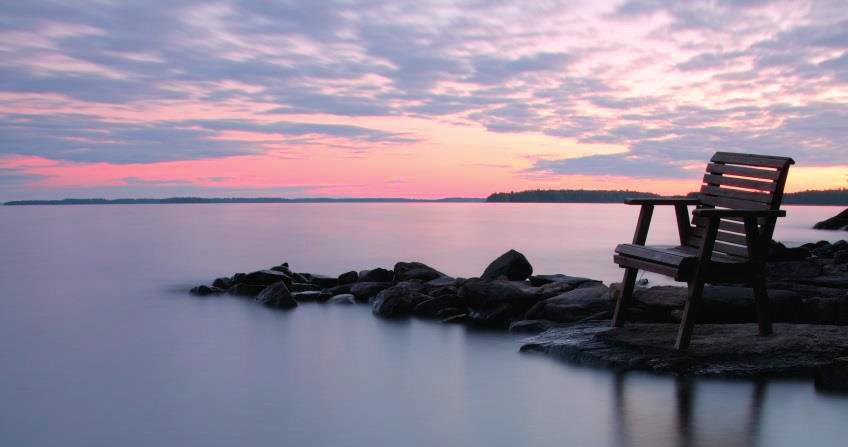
{"points": [[728, 350], [277, 296], [511, 265], [344, 298], [206, 290]]}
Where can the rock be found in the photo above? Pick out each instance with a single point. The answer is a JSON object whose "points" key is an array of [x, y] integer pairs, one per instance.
{"points": [[205, 290], [338, 290], [396, 301], [779, 253], [726, 350], [479, 293], [458, 318], [793, 269], [283, 268], [264, 278], [432, 307], [348, 278], [511, 265], [813, 245], [837, 222], [840, 257], [531, 326], [576, 281], [303, 297], [376, 275], [497, 315], [833, 378], [825, 251], [303, 287], [301, 277], [572, 306], [824, 310], [806, 290], [324, 281], [831, 281], [222, 283], [720, 304], [344, 298], [245, 290], [277, 296], [405, 271], [364, 290], [450, 313]]}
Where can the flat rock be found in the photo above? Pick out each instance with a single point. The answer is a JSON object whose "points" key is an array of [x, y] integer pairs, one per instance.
{"points": [[531, 326], [538, 280], [573, 305], [730, 350], [793, 269], [837, 222]]}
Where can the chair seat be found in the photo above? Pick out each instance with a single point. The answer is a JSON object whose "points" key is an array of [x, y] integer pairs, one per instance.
{"points": [[678, 262]]}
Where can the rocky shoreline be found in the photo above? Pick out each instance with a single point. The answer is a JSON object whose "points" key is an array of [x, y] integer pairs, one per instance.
{"points": [[808, 291]]}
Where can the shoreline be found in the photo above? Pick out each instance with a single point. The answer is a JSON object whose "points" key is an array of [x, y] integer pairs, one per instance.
{"points": [[569, 316]]}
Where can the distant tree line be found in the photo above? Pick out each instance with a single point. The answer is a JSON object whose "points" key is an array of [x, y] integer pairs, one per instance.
{"points": [[568, 195], [183, 200], [812, 197]]}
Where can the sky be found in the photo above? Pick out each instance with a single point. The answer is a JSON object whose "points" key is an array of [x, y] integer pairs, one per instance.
{"points": [[366, 98]]}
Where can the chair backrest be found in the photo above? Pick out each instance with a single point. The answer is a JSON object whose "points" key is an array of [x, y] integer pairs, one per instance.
{"points": [[740, 181]]}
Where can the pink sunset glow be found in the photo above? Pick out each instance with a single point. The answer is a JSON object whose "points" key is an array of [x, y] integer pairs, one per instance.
{"points": [[441, 99]]}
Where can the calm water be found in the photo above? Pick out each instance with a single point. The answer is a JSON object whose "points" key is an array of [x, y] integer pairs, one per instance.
{"points": [[101, 346]]}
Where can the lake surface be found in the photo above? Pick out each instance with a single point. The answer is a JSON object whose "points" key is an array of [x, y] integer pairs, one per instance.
{"points": [[100, 345]]}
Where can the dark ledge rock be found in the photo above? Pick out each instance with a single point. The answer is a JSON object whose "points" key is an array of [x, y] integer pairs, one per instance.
{"points": [[728, 350]]}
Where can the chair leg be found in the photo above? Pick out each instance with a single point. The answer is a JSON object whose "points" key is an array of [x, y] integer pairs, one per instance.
{"points": [[690, 312], [762, 304], [627, 286]]}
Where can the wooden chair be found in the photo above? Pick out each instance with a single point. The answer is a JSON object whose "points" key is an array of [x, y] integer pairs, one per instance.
{"points": [[727, 241]]}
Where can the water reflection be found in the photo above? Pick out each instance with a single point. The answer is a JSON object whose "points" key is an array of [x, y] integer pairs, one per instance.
{"points": [[630, 417]]}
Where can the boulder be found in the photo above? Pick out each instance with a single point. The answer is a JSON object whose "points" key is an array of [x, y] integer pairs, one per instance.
{"points": [[511, 265], [283, 268], [572, 306], [348, 277], [840, 257], [837, 222], [223, 283], [245, 290], [396, 301], [206, 290], [451, 314], [365, 290], [498, 315], [324, 281], [779, 252], [531, 326], [277, 296], [432, 307], [264, 278], [344, 298], [376, 275], [405, 271], [301, 277], [303, 297], [793, 269], [338, 290], [479, 293]]}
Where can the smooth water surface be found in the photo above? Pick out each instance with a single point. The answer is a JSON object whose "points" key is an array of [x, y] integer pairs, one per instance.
{"points": [[100, 345]]}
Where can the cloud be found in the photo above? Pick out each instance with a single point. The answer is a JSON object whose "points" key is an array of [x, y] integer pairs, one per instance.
{"points": [[623, 165]]}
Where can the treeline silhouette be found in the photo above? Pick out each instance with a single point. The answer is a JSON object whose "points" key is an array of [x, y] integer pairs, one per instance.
{"points": [[183, 200], [811, 197]]}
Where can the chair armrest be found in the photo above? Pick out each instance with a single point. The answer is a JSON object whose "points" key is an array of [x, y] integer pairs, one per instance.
{"points": [[663, 201], [710, 212]]}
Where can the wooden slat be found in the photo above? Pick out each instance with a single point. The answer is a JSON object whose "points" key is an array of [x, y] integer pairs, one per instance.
{"points": [[736, 250], [724, 225], [738, 182], [640, 264], [737, 194], [751, 160], [733, 238], [740, 171], [726, 202], [660, 254]]}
